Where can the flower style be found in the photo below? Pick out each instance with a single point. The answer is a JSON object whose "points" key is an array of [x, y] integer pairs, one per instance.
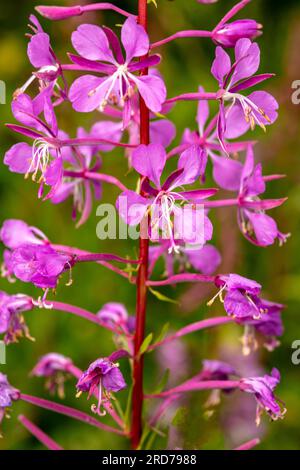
{"points": [[263, 390], [105, 374], [42, 57], [8, 394], [259, 108], [12, 323], [80, 164], [43, 157], [101, 52], [115, 314], [149, 161], [55, 368]]}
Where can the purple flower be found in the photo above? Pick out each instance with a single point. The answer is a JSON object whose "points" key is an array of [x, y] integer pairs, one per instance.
{"points": [[77, 163], [263, 390], [205, 259], [259, 108], [43, 158], [242, 296], [101, 51], [8, 394], [54, 367], [105, 375], [40, 265], [269, 326], [216, 370], [258, 227], [228, 34], [12, 323], [42, 57], [160, 199], [15, 232], [115, 314]]}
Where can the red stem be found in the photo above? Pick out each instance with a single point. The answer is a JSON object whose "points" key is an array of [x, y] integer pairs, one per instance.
{"points": [[141, 302]]}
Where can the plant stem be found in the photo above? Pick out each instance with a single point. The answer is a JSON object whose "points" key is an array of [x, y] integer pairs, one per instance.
{"points": [[249, 445], [141, 301], [68, 411], [182, 34], [39, 434]]}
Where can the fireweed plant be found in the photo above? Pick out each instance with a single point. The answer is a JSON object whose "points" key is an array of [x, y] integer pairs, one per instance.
{"points": [[118, 81]]}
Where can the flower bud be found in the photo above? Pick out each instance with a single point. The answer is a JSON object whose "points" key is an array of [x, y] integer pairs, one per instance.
{"points": [[227, 35]]}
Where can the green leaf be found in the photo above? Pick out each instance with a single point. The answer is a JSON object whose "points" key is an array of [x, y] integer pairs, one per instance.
{"points": [[162, 297], [180, 416], [163, 382], [163, 332], [127, 416], [145, 344]]}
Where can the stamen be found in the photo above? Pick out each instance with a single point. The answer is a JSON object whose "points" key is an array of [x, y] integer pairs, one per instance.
{"points": [[218, 294]]}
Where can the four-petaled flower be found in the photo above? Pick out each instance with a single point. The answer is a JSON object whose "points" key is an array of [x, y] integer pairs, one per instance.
{"points": [[103, 374], [101, 52], [259, 108], [160, 199]]}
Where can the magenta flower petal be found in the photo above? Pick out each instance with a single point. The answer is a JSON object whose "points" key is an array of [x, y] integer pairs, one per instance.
{"points": [[205, 260], [134, 39], [149, 160], [114, 380], [247, 56], [18, 158], [39, 51], [162, 132], [268, 104], [153, 91], [91, 42], [264, 227], [227, 172], [132, 207], [15, 233], [190, 161], [221, 65], [88, 91]]}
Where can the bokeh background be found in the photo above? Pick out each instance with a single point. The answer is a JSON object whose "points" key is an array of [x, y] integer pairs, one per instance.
{"points": [[186, 64]]}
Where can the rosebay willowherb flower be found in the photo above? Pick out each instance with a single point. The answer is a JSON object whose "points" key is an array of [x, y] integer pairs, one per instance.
{"points": [[119, 84]]}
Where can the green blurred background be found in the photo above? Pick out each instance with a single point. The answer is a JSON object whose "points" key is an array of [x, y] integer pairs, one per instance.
{"points": [[185, 65]]}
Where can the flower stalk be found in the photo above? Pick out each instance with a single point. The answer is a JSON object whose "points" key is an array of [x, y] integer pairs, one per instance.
{"points": [[141, 299]]}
